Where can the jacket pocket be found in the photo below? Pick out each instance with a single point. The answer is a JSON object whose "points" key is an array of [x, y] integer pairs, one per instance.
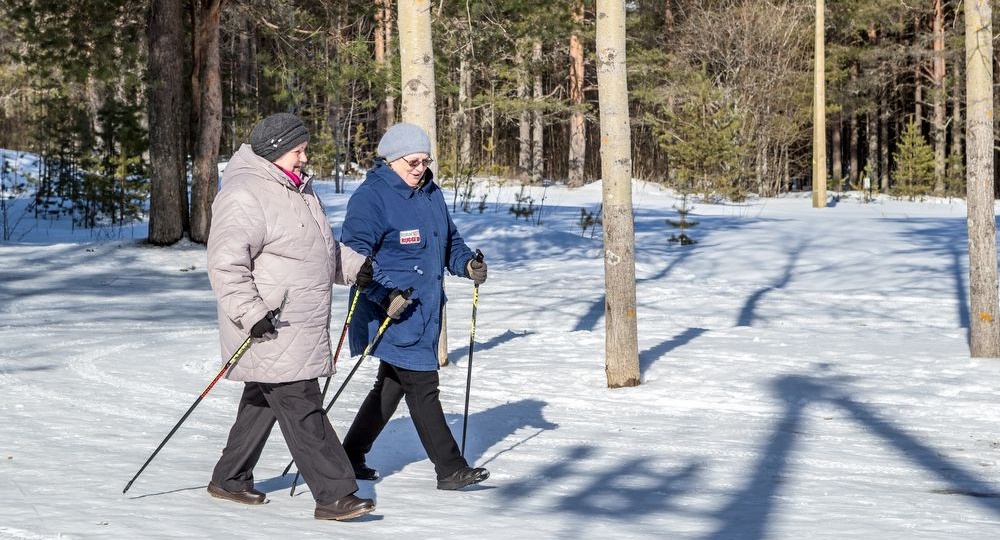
{"points": [[409, 329]]}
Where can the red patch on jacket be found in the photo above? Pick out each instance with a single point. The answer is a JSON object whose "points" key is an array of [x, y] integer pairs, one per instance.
{"points": [[409, 237]]}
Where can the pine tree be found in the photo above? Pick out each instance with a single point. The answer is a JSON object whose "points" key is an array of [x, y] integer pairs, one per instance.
{"points": [[702, 137], [914, 174]]}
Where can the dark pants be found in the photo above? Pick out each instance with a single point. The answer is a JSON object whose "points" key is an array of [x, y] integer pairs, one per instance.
{"points": [[420, 388], [298, 409]]}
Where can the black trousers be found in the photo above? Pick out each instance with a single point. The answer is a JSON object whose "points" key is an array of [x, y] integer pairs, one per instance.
{"points": [[420, 388], [298, 409]]}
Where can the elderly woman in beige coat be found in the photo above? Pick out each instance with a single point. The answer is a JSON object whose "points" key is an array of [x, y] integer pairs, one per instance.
{"points": [[271, 247]]}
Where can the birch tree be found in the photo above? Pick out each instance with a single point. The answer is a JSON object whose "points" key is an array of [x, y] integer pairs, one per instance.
{"points": [[383, 59], [983, 297], [819, 113], [621, 334]]}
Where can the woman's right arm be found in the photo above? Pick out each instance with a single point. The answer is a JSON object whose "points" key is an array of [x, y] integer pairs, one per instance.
{"points": [[236, 237]]}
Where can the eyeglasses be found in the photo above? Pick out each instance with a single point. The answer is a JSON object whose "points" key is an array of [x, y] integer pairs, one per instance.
{"points": [[414, 163]]}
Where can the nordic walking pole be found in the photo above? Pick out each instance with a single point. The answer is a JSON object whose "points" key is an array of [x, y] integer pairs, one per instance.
{"points": [[228, 365], [347, 323], [357, 364], [343, 332], [381, 330], [472, 343], [343, 385]]}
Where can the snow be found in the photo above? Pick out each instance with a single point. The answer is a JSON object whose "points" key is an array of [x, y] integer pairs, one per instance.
{"points": [[805, 374]]}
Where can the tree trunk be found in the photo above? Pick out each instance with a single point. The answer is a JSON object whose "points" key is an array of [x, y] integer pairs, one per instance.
{"points": [[463, 122], [668, 18], [983, 296], [537, 127], [621, 339], [819, 113], [957, 136], [853, 151], [383, 59], [416, 64], [883, 135], [918, 84], [871, 157], [940, 100], [837, 148], [205, 177], [872, 129], [168, 202], [524, 124], [577, 123]]}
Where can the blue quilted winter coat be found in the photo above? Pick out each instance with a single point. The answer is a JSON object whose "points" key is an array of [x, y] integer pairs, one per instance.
{"points": [[412, 240]]}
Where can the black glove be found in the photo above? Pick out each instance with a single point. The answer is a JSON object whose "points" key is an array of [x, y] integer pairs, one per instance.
{"points": [[475, 269], [396, 303], [365, 274], [264, 326]]}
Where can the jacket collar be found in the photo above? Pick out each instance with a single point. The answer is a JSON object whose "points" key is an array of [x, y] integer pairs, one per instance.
{"points": [[246, 158], [384, 171]]}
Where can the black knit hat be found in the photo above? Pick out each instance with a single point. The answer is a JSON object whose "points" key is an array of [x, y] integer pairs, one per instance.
{"points": [[277, 134]]}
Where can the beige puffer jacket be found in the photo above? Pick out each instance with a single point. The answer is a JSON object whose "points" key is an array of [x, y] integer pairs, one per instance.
{"points": [[271, 242]]}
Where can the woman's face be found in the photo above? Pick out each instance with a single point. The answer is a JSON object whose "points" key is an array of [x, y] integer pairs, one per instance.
{"points": [[294, 159], [411, 167]]}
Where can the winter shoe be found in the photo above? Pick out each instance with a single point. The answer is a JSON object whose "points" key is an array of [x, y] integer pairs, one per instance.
{"points": [[346, 507], [364, 472], [250, 496], [465, 476]]}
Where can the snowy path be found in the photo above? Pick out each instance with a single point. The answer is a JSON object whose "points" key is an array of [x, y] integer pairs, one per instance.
{"points": [[805, 375]]}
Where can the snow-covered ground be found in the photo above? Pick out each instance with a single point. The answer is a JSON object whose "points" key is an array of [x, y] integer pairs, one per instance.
{"points": [[805, 375]]}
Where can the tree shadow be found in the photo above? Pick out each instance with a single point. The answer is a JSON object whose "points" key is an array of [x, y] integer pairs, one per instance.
{"points": [[26, 369], [592, 490], [398, 445], [496, 341], [750, 510], [647, 357], [624, 492], [746, 316], [948, 238], [589, 320]]}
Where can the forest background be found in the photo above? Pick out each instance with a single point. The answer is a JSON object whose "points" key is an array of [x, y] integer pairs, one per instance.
{"points": [[720, 94]]}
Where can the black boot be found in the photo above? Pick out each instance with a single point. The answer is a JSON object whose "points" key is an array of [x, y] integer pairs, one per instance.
{"points": [[364, 472], [250, 496], [465, 476], [346, 507]]}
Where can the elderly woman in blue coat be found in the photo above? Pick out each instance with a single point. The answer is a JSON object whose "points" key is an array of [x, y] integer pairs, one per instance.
{"points": [[398, 216]]}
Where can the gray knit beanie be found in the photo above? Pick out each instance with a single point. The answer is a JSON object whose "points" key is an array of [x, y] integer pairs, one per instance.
{"points": [[401, 140], [277, 134]]}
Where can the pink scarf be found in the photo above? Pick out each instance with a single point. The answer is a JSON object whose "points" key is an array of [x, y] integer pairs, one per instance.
{"points": [[295, 178]]}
